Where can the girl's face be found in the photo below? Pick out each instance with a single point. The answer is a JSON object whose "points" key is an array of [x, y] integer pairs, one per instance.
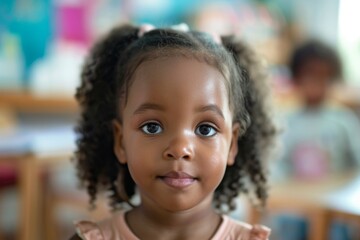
{"points": [[176, 135]]}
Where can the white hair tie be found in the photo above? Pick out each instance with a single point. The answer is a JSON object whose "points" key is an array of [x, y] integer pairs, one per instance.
{"points": [[182, 27], [144, 28]]}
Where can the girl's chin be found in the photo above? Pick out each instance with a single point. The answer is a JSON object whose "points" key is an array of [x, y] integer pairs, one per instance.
{"points": [[178, 206]]}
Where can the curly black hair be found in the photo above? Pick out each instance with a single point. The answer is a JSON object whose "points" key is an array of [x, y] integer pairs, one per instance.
{"points": [[106, 77], [315, 50]]}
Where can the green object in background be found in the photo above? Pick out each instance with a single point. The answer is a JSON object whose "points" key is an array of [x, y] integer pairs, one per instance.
{"points": [[11, 62]]}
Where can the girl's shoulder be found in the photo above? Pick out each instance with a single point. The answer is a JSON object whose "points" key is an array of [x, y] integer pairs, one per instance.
{"points": [[114, 228], [231, 229]]}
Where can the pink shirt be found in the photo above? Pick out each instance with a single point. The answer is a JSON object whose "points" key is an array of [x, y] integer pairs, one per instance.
{"points": [[115, 228]]}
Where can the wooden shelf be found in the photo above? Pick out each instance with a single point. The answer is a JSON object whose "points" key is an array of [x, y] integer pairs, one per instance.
{"points": [[344, 95], [27, 102]]}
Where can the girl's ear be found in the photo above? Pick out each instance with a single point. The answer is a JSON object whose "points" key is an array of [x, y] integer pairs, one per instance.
{"points": [[234, 144], [119, 149]]}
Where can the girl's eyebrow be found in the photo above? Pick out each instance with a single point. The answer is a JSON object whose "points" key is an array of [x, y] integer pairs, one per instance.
{"points": [[211, 107], [148, 106], [152, 106]]}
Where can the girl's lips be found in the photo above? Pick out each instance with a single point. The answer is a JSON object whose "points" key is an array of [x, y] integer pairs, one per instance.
{"points": [[178, 179]]}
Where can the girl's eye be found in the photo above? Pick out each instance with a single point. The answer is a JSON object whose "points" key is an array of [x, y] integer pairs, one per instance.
{"points": [[206, 130], [151, 128]]}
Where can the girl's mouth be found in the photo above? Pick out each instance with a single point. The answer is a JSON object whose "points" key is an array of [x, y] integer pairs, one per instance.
{"points": [[178, 179]]}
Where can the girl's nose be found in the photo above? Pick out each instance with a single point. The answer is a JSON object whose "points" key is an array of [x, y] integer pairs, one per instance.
{"points": [[180, 147]]}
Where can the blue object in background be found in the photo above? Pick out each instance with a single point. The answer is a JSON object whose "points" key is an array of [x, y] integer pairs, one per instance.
{"points": [[161, 12], [339, 231], [168, 12], [32, 22], [290, 226]]}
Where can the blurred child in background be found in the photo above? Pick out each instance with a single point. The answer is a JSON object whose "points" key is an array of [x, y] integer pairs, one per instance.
{"points": [[320, 139]]}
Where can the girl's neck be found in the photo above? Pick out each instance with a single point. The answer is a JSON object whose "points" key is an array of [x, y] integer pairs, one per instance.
{"points": [[149, 222]]}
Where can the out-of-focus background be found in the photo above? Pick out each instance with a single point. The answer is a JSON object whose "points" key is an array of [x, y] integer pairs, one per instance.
{"points": [[42, 47]]}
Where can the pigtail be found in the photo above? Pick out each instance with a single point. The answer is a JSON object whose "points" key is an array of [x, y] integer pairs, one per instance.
{"points": [[248, 174], [97, 165]]}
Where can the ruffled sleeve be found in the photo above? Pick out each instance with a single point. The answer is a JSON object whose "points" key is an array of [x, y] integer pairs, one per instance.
{"points": [[88, 230], [259, 232]]}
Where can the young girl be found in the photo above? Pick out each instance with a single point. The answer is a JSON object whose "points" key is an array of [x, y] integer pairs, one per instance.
{"points": [[178, 117]]}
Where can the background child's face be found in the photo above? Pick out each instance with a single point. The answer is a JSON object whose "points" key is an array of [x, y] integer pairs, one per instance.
{"points": [[176, 120], [314, 80]]}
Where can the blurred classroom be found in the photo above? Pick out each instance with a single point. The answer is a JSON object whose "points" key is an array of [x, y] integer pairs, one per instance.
{"points": [[42, 47]]}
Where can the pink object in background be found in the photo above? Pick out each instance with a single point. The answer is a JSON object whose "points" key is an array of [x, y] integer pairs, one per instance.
{"points": [[8, 176], [311, 162], [72, 22]]}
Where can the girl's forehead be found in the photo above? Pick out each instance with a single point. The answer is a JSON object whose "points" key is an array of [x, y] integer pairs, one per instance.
{"points": [[178, 70], [161, 55], [180, 78]]}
